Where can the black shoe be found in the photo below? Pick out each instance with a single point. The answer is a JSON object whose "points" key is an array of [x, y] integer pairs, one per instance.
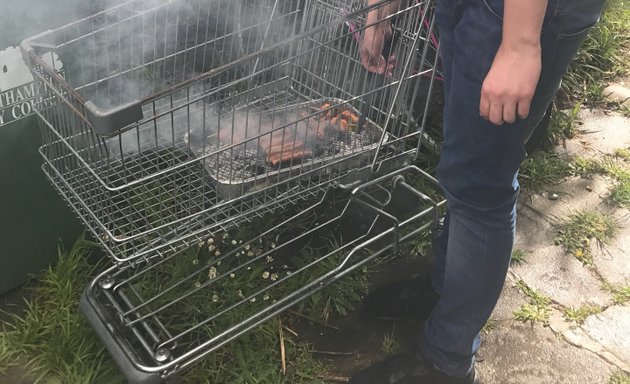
{"points": [[408, 369], [411, 299]]}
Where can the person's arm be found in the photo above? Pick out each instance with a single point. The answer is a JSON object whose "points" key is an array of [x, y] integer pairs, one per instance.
{"points": [[509, 86], [375, 36]]}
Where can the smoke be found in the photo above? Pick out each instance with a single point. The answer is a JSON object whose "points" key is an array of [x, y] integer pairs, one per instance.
{"points": [[150, 46], [201, 129], [146, 47]]}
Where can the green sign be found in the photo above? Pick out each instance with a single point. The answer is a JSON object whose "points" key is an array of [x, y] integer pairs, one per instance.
{"points": [[17, 103]]}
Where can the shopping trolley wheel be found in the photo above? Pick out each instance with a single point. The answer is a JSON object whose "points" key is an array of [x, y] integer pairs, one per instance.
{"points": [[120, 357]]}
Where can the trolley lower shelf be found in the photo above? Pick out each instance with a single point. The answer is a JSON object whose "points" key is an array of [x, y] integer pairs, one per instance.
{"points": [[159, 318]]}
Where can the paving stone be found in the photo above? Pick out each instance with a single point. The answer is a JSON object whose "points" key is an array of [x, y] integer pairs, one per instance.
{"points": [[534, 227], [611, 329], [549, 269], [562, 277], [603, 131], [576, 336], [519, 353], [618, 92], [613, 260], [511, 299], [574, 194]]}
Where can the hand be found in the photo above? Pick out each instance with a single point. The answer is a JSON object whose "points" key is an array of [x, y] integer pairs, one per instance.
{"points": [[372, 44], [509, 87]]}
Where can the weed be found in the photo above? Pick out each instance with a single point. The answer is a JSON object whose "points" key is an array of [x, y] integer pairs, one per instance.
{"points": [[609, 166], [255, 358], [581, 228], [615, 170], [421, 245], [543, 169], [340, 298], [620, 194], [490, 325], [534, 296], [579, 315], [533, 313], [537, 309], [601, 57], [518, 256], [563, 124], [585, 168], [620, 293], [7, 354], [623, 153], [619, 377], [389, 345]]}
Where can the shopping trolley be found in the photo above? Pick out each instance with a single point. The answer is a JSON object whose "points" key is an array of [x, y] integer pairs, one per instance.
{"points": [[173, 122]]}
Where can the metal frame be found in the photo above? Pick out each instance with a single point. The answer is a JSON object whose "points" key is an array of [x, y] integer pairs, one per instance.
{"points": [[120, 180], [152, 174], [144, 345]]}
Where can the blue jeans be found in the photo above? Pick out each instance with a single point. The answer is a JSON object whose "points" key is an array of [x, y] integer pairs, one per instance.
{"points": [[479, 166]]}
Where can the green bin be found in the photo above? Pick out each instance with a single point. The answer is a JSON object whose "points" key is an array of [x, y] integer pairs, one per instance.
{"points": [[33, 218]]}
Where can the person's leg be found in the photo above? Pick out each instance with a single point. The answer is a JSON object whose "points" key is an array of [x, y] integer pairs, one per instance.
{"points": [[478, 168], [440, 246], [446, 21]]}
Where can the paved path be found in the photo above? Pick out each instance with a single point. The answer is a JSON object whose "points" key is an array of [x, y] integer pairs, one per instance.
{"points": [[563, 351]]}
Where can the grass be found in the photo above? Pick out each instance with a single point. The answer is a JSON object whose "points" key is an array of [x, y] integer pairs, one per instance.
{"points": [[608, 166], [619, 377], [7, 355], [615, 170], [579, 315], [622, 153], [614, 166], [584, 167], [390, 345], [489, 326], [564, 123], [543, 169], [537, 309], [255, 358], [52, 336], [58, 345], [518, 256], [340, 298], [620, 293], [421, 245], [54, 339], [602, 56], [577, 233], [620, 194]]}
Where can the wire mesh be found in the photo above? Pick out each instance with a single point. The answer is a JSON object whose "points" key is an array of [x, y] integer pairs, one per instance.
{"points": [[244, 106], [167, 315]]}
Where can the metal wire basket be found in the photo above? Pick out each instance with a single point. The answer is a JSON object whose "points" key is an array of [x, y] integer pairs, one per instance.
{"points": [[158, 319], [173, 122], [160, 129]]}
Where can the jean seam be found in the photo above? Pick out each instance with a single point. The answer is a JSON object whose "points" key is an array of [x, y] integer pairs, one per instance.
{"points": [[483, 273], [487, 5], [575, 34]]}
